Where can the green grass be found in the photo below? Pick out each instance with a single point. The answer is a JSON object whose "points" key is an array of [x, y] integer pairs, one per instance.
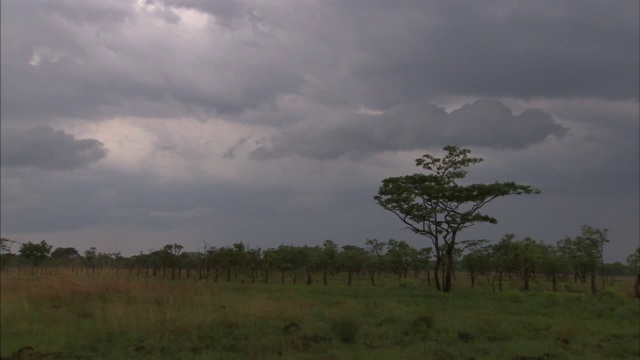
{"points": [[104, 316]]}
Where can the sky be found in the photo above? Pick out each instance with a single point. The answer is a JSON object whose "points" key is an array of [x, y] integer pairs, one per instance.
{"points": [[127, 125]]}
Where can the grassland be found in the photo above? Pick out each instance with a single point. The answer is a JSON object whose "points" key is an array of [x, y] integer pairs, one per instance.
{"points": [[109, 316]]}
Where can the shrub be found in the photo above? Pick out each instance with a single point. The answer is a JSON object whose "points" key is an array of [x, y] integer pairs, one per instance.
{"points": [[421, 325], [345, 328]]}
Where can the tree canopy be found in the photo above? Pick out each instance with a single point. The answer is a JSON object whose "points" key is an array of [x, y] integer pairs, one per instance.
{"points": [[436, 205]]}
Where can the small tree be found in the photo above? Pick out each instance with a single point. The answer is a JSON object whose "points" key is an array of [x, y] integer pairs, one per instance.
{"points": [[5, 252], [437, 206], [553, 264], [399, 256], [67, 253], [477, 260], [596, 238], [633, 260], [527, 257], [353, 259], [5, 246], [376, 261], [35, 253], [503, 259]]}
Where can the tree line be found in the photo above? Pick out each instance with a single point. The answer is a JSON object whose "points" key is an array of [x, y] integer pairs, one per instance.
{"points": [[437, 205], [578, 259]]}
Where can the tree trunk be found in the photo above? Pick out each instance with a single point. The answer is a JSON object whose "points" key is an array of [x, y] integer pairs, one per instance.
{"points": [[593, 282], [324, 277], [636, 286], [447, 281], [436, 276], [373, 278], [349, 277], [554, 282], [493, 282]]}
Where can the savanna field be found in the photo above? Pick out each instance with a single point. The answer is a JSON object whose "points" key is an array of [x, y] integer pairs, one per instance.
{"points": [[60, 314]]}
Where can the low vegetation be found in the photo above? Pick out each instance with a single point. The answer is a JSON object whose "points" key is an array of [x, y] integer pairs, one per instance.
{"points": [[64, 314], [513, 299]]}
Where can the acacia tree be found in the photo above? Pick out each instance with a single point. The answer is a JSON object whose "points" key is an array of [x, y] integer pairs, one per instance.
{"points": [[353, 259], [553, 264], [584, 253], [5, 252], [592, 241], [476, 260], [376, 250], [399, 256], [527, 258], [35, 253], [329, 258], [633, 260], [435, 205]]}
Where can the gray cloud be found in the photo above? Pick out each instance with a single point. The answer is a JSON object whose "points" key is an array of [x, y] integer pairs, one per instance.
{"points": [[66, 64], [301, 70], [328, 52], [493, 49], [484, 123], [230, 14], [45, 148]]}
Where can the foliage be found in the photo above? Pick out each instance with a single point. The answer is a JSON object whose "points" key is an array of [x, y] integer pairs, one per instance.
{"points": [[5, 246], [584, 253], [633, 261], [346, 328], [526, 259], [35, 253], [67, 253], [436, 205]]}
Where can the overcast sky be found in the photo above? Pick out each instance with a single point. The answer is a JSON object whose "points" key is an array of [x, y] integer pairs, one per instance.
{"points": [[128, 125]]}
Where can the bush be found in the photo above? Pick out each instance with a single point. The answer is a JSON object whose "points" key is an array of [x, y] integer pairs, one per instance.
{"points": [[421, 325], [345, 328]]}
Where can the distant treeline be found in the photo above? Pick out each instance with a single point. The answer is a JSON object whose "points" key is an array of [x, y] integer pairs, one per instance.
{"points": [[576, 259]]}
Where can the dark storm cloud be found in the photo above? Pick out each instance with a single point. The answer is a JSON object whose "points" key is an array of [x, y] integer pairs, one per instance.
{"points": [[45, 148], [494, 48], [93, 60], [484, 123], [64, 63], [301, 70]]}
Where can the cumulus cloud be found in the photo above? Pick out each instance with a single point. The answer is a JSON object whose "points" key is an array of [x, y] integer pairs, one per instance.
{"points": [[484, 123], [45, 148]]}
